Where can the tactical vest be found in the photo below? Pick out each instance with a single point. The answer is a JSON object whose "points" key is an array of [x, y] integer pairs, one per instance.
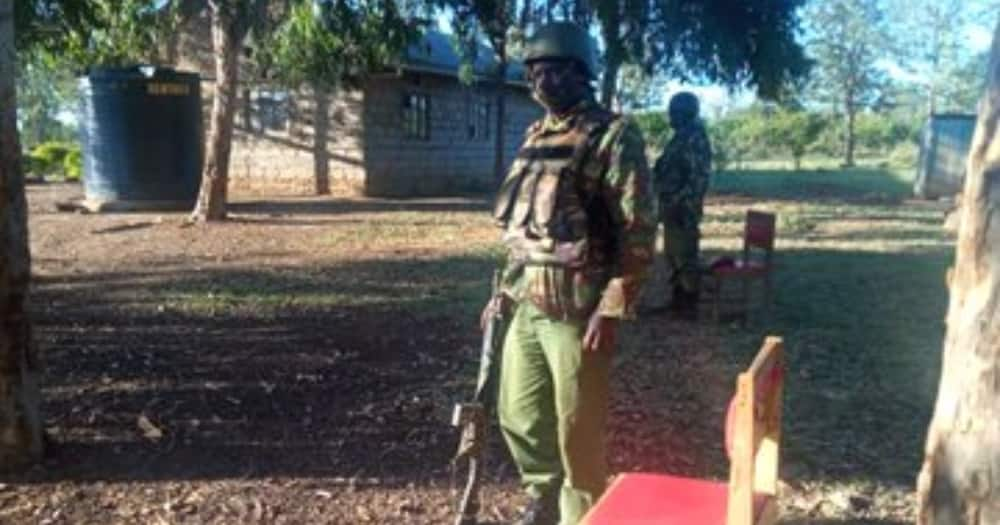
{"points": [[549, 205]]}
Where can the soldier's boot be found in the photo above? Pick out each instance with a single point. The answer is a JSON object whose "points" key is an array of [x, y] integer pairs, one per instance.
{"points": [[542, 510]]}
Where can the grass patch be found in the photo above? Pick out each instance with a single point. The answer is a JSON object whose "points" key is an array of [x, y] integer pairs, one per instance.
{"points": [[860, 300], [424, 288], [869, 184]]}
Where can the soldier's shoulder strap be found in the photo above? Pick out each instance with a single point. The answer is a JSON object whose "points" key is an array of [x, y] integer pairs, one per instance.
{"points": [[594, 125]]}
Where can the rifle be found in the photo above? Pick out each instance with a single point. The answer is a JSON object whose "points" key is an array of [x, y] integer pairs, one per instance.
{"points": [[473, 416]]}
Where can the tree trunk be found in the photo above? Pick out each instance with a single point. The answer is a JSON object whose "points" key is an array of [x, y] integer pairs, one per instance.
{"points": [[614, 52], [849, 139], [499, 140], [20, 398], [959, 482], [609, 82], [226, 37], [321, 131]]}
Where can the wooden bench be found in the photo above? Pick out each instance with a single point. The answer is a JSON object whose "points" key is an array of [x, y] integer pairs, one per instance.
{"points": [[753, 439], [756, 262]]}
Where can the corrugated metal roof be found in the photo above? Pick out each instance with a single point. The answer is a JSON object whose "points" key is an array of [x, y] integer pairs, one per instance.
{"points": [[435, 53]]}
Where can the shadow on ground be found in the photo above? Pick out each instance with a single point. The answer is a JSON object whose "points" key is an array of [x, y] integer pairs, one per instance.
{"points": [[349, 371], [334, 206], [334, 372]]}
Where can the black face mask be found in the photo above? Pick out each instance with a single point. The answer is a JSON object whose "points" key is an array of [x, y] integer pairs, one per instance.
{"points": [[556, 84]]}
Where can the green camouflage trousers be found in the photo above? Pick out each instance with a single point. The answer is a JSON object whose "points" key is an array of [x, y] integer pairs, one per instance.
{"points": [[553, 409], [680, 249]]}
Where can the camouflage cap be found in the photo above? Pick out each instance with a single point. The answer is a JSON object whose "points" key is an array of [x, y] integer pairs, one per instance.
{"points": [[562, 40]]}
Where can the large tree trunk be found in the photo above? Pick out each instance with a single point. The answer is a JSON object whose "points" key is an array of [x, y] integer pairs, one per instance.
{"points": [[959, 482], [20, 399], [321, 132], [226, 37]]}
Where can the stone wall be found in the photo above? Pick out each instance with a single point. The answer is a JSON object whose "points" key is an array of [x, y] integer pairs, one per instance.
{"points": [[274, 148], [452, 158]]}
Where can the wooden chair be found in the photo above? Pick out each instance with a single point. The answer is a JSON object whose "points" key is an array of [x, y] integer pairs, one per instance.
{"points": [[755, 263], [753, 440]]}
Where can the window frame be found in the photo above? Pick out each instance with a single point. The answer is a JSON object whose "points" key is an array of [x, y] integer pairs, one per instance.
{"points": [[477, 117], [416, 116]]}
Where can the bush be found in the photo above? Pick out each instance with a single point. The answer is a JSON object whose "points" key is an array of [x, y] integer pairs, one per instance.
{"points": [[73, 165], [61, 159], [904, 154], [655, 128]]}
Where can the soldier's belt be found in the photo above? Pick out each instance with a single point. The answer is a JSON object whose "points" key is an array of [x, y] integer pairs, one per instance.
{"points": [[546, 251]]}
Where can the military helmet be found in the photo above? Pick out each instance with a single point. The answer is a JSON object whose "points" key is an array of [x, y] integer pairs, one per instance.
{"points": [[562, 40], [684, 104]]}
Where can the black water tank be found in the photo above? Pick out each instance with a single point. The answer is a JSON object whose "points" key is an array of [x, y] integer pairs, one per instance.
{"points": [[141, 130]]}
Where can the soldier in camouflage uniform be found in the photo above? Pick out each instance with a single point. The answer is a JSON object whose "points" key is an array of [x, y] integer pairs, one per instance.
{"points": [[680, 178], [577, 218]]}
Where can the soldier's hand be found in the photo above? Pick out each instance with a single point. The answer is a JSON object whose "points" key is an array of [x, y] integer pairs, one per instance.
{"points": [[496, 305], [601, 334]]}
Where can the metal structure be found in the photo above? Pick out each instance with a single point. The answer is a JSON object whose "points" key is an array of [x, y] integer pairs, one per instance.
{"points": [[141, 132], [944, 146]]}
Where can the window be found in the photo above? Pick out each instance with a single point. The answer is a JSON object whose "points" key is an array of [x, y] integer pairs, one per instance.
{"points": [[272, 110], [266, 110], [478, 118], [416, 116]]}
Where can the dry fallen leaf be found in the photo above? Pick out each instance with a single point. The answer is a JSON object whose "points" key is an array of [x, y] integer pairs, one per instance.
{"points": [[149, 430]]}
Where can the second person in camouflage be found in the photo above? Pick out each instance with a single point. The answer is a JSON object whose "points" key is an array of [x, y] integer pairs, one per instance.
{"points": [[680, 179]]}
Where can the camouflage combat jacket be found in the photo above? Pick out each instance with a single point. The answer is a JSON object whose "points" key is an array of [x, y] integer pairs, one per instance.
{"points": [[680, 176], [577, 215]]}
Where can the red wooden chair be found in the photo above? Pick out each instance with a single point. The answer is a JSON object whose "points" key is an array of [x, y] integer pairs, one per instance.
{"points": [[753, 439], [755, 263]]}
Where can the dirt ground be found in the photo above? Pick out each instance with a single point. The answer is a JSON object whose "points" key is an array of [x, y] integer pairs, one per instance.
{"points": [[298, 364]]}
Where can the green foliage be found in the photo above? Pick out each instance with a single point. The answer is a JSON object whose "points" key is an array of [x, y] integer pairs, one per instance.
{"points": [[44, 89], [751, 42], [876, 132], [931, 43], [655, 128], [96, 32], [722, 155], [762, 133], [964, 85], [904, 155], [794, 131], [737, 137], [637, 89], [55, 158], [73, 164], [849, 37], [347, 41]]}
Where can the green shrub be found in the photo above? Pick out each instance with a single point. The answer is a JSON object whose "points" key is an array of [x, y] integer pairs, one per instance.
{"points": [[73, 165], [904, 155], [61, 159], [31, 165]]}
